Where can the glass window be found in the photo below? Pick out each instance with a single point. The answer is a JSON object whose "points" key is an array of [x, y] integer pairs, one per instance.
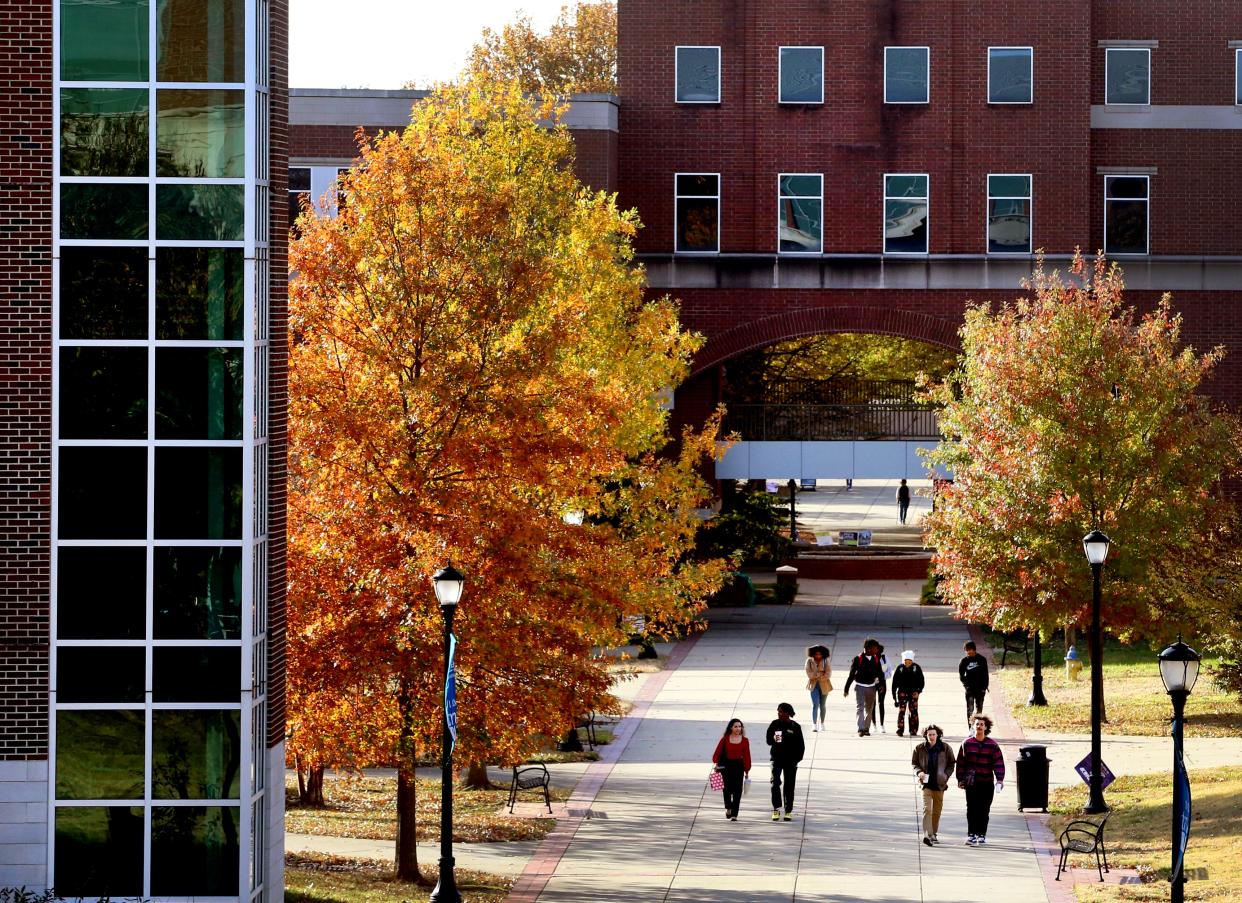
{"points": [[103, 211], [199, 293], [299, 192], [198, 393], [103, 132], [197, 674], [1126, 214], [1011, 75], [104, 40], [99, 754], [195, 755], [201, 134], [103, 393], [907, 74], [905, 214], [802, 74], [200, 212], [198, 593], [698, 213], [101, 593], [103, 493], [698, 75], [1127, 75], [102, 846], [103, 293], [1009, 214], [198, 493], [1237, 77], [201, 40], [194, 851], [101, 674], [800, 213]]}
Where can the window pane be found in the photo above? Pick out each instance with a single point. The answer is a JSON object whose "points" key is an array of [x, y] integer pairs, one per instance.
{"points": [[197, 674], [103, 211], [905, 186], [1125, 187], [198, 293], [299, 178], [1129, 76], [1127, 227], [198, 493], [906, 74], [698, 185], [198, 393], [200, 212], [101, 594], [103, 132], [1009, 186], [1237, 76], [698, 74], [1009, 75], [103, 293], [99, 851], [905, 227], [802, 75], [201, 134], [99, 755], [800, 225], [195, 755], [696, 224], [201, 40], [103, 493], [1009, 227], [194, 851], [800, 186], [104, 40], [103, 674], [197, 593], [103, 393]]}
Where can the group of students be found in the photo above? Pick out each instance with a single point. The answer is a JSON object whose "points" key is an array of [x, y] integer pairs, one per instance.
{"points": [[978, 766]]}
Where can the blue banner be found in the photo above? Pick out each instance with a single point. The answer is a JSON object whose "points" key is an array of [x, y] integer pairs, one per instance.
{"points": [[450, 692], [1181, 811]]}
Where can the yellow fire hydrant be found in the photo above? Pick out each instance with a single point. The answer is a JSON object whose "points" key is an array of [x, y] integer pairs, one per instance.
{"points": [[1073, 664]]}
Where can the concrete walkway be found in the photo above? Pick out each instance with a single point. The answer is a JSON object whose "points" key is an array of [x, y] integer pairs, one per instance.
{"points": [[868, 505]]}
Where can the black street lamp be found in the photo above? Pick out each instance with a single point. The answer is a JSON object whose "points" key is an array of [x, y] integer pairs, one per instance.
{"points": [[448, 583], [1096, 544], [1037, 696], [1179, 669]]}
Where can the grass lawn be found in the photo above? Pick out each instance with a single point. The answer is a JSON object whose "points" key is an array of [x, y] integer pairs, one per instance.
{"points": [[1138, 831], [1134, 697], [315, 878], [366, 807]]}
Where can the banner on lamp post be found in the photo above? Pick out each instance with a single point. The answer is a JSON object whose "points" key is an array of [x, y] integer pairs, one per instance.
{"points": [[1181, 811], [450, 692]]}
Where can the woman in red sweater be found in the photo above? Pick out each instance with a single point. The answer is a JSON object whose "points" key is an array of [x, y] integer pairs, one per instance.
{"points": [[733, 755]]}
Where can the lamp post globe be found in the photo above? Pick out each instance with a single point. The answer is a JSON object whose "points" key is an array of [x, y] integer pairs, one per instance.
{"points": [[1179, 669], [448, 583], [1096, 544]]}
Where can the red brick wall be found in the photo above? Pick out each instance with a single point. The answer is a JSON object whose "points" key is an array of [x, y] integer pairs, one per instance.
{"points": [[25, 375]]}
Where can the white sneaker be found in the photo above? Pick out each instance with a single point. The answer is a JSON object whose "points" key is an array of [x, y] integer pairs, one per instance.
{"points": [[814, 727], [883, 730]]}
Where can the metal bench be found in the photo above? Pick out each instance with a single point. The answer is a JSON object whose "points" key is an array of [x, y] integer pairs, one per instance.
{"points": [[1015, 642], [530, 777], [1083, 836]]}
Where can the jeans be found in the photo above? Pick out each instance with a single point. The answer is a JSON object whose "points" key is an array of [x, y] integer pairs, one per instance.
{"points": [[979, 806], [902, 507], [933, 802], [733, 775], [819, 704], [789, 771], [864, 699], [974, 698], [907, 700]]}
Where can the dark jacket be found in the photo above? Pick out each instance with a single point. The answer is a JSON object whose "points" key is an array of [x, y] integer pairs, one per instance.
{"points": [[865, 669], [792, 746], [944, 764], [973, 672], [907, 680], [903, 494], [982, 758]]}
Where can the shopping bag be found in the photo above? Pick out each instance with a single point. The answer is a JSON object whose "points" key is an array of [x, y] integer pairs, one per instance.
{"points": [[746, 785], [716, 780]]}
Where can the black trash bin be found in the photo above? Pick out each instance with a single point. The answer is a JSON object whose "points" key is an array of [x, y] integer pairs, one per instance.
{"points": [[1033, 778]]}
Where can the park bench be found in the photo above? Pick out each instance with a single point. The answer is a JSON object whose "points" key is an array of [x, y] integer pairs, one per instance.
{"points": [[1015, 642], [587, 722], [530, 777], [1084, 836]]}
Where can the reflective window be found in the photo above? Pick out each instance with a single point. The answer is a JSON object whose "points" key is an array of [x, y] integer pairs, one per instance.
{"points": [[103, 132], [103, 293], [104, 845], [1126, 214], [196, 674], [99, 754], [194, 851], [201, 40], [802, 74], [199, 293], [198, 493], [201, 134], [200, 212], [103, 211], [101, 674], [1011, 74], [800, 213], [697, 213], [1237, 77], [103, 393], [103, 493], [197, 593], [104, 40], [1009, 214], [698, 74], [905, 214], [195, 754], [198, 393], [907, 74], [1127, 75], [299, 192], [101, 593]]}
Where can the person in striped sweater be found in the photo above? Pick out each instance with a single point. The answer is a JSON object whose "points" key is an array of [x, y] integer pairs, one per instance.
{"points": [[981, 773]]}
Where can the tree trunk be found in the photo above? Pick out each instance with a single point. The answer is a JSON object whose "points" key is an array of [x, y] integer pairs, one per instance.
{"points": [[476, 777], [407, 844], [312, 794]]}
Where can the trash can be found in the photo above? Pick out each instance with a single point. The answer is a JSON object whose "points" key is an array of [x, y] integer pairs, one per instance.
{"points": [[1033, 778]]}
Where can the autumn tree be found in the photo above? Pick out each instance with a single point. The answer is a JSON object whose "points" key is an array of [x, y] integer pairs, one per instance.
{"points": [[473, 356]]}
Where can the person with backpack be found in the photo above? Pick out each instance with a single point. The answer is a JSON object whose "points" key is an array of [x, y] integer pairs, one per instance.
{"points": [[732, 757], [979, 761], [933, 763], [907, 684], [973, 672], [788, 746], [903, 502], [867, 675]]}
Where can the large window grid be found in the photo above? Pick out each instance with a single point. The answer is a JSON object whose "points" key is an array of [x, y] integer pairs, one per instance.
{"points": [[1010, 225]]}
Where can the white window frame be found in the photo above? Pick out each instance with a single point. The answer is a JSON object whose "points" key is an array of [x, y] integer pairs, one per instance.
{"points": [[1237, 77], [780, 197], [1011, 103], [780, 73], [1030, 199], [907, 47], [1147, 225], [884, 214], [677, 201], [1108, 51], [719, 73]]}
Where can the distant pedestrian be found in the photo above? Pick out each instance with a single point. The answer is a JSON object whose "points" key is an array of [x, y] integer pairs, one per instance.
{"points": [[867, 674], [788, 746], [733, 756], [907, 685], [903, 502], [973, 671], [979, 761], [818, 674], [886, 671], [933, 762]]}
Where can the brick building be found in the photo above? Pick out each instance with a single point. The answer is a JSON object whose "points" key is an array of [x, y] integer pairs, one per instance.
{"points": [[142, 352]]}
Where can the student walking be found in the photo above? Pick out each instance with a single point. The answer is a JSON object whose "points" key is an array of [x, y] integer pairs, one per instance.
{"points": [[867, 674], [933, 763], [903, 502], [973, 671], [818, 674], [907, 684], [881, 690], [979, 761], [788, 746], [732, 755]]}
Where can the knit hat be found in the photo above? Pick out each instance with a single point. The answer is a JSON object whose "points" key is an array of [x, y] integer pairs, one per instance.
{"points": [[908, 654]]}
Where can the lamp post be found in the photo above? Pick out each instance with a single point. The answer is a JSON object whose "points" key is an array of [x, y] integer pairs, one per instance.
{"points": [[1096, 544], [1179, 669], [448, 583], [1037, 696]]}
